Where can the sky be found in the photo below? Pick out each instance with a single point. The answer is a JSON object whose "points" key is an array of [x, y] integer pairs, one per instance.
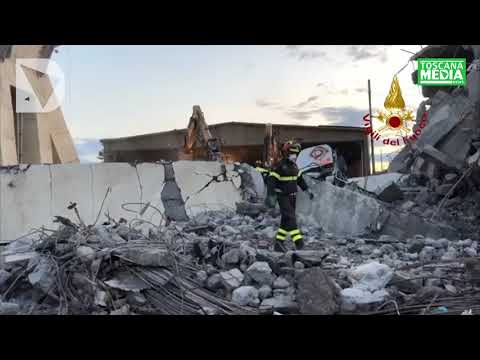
{"points": [[116, 91]]}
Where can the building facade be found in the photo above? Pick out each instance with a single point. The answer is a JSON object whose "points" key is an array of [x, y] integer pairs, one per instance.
{"points": [[242, 142]]}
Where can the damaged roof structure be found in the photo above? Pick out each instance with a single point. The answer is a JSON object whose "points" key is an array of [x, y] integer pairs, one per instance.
{"points": [[242, 142]]}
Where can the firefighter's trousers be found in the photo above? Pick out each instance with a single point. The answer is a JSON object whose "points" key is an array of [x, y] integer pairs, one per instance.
{"points": [[288, 222]]}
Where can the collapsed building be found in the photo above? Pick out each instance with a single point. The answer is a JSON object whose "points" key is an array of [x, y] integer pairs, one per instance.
{"points": [[194, 237]]}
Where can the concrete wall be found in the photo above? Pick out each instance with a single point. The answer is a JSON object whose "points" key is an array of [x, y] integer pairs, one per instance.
{"points": [[31, 199]]}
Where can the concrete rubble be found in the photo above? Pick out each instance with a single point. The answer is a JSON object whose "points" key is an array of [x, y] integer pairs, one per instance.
{"points": [[405, 242], [227, 266]]}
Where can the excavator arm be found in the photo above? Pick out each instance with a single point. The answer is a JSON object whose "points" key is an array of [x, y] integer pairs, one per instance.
{"points": [[197, 130]]}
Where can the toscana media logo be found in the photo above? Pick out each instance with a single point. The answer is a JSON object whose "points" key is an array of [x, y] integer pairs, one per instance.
{"points": [[442, 72], [395, 124]]}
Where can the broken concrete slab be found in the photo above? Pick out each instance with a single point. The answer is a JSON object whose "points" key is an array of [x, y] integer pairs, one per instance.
{"points": [[457, 144], [332, 206], [280, 303], [316, 293], [7, 308], [440, 158], [374, 183], [443, 118], [389, 192], [404, 225], [127, 282], [146, 256]]}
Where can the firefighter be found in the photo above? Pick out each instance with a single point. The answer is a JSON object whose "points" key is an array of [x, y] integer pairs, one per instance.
{"points": [[284, 179]]}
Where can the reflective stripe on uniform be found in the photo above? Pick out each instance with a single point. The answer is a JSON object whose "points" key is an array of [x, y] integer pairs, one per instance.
{"points": [[262, 170], [283, 178], [294, 232], [296, 237], [280, 237], [283, 232]]}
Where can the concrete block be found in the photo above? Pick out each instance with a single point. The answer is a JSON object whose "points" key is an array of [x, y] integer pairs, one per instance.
{"points": [[440, 158], [25, 201], [192, 178], [406, 225], [73, 183], [457, 144], [152, 177], [442, 118], [340, 211], [125, 188], [374, 182]]}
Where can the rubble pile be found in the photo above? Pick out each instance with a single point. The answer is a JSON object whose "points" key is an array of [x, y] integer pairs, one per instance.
{"points": [[442, 163], [222, 263]]}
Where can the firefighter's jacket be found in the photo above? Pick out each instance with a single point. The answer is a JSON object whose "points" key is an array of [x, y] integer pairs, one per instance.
{"points": [[285, 177]]}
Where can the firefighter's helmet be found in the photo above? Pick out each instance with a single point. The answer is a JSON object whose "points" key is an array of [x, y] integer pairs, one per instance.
{"points": [[291, 147]]}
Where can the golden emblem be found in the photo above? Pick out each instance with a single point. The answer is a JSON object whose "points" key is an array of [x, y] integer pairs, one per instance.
{"points": [[395, 116]]}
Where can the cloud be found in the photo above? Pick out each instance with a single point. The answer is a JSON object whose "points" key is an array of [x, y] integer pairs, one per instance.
{"points": [[308, 101], [87, 150], [342, 116], [265, 103], [302, 53], [363, 52], [320, 84]]}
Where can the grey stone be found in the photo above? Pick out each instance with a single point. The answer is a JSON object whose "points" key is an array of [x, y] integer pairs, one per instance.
{"points": [[264, 292], [282, 303], [428, 292], [359, 242], [451, 289], [389, 192], [416, 245], [127, 282], [261, 273], [86, 253], [7, 308], [281, 283], [147, 256], [433, 282], [298, 265], [232, 257], [440, 158], [404, 283], [201, 276], [450, 178], [245, 295], [451, 254], [232, 279], [408, 205], [470, 252], [136, 299], [427, 254], [387, 249], [43, 275], [443, 189], [308, 257], [214, 282], [316, 292], [101, 298], [4, 277]]}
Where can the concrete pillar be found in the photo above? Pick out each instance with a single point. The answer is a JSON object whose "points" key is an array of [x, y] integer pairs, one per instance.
{"points": [[44, 136]]}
